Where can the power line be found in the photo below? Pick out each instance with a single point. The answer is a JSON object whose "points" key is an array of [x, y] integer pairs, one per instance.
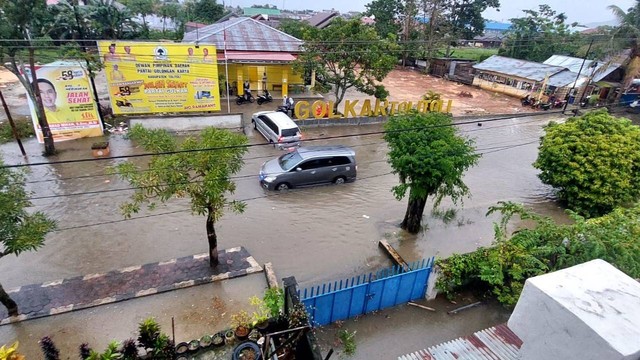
{"points": [[359, 179], [498, 118]]}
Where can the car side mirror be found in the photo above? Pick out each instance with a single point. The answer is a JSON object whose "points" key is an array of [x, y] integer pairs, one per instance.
{"points": [[298, 169]]}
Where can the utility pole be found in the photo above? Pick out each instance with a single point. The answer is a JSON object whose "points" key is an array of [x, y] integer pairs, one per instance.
{"points": [[49, 148], [577, 78], [13, 125]]}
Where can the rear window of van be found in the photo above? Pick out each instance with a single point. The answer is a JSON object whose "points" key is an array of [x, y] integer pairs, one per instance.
{"points": [[290, 132]]}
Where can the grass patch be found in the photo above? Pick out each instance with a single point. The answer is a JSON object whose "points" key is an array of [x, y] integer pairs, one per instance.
{"points": [[478, 54], [347, 338], [23, 126], [446, 215]]}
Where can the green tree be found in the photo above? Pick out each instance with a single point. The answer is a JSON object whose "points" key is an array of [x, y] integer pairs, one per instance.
{"points": [[628, 33], [110, 20], [17, 28], [143, 8], [386, 13], [295, 28], [168, 10], [593, 162], [547, 246], [203, 176], [540, 34], [465, 16], [360, 62], [430, 159], [20, 230], [204, 11]]}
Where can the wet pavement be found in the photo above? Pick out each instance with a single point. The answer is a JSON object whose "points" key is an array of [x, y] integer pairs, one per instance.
{"points": [[81, 292], [316, 234]]}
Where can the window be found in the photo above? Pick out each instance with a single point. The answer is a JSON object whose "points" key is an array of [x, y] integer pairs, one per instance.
{"points": [[311, 164], [290, 132], [270, 124], [288, 161], [341, 160]]}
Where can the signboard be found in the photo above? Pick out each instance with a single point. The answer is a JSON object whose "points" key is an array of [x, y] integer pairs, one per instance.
{"points": [[324, 109], [67, 100], [159, 77]]}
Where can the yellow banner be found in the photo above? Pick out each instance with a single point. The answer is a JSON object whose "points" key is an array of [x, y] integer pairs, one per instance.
{"points": [[68, 102], [159, 77]]}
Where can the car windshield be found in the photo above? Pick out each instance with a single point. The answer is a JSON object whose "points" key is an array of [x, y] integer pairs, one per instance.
{"points": [[289, 160], [289, 132]]}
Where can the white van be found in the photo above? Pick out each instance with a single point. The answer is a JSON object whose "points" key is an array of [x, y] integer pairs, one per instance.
{"points": [[277, 128]]}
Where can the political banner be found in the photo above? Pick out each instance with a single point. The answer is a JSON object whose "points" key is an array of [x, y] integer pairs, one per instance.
{"points": [[146, 77], [67, 100]]}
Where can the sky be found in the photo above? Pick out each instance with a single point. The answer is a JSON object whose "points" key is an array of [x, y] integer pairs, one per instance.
{"points": [[581, 11]]}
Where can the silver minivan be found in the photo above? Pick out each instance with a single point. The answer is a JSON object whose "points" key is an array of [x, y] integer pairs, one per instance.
{"points": [[307, 166], [277, 128]]}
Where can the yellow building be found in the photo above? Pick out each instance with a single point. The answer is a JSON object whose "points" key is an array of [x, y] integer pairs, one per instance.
{"points": [[250, 50]]}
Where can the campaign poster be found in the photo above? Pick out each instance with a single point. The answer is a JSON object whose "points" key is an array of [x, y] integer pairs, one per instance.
{"points": [[148, 78], [68, 102]]}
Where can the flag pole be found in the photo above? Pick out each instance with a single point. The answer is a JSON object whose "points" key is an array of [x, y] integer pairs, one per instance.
{"points": [[226, 66]]}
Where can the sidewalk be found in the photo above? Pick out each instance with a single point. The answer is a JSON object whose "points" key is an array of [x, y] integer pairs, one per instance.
{"points": [[81, 292]]}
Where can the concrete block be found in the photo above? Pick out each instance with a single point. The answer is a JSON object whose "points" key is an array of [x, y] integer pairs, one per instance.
{"points": [[189, 123], [588, 311]]}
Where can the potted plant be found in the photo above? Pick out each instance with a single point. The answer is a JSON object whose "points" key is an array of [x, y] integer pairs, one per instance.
{"points": [[205, 341], [182, 348], [260, 317], [240, 322], [194, 345], [229, 336], [217, 339]]}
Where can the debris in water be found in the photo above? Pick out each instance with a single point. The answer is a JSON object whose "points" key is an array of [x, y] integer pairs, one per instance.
{"points": [[365, 216]]}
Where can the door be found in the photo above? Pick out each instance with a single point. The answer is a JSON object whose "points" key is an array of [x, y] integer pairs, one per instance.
{"points": [[308, 173]]}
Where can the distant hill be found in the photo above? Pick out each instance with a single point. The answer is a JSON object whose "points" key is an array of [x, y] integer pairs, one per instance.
{"points": [[593, 25]]}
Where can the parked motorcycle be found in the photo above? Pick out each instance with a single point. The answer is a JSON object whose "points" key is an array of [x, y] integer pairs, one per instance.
{"points": [[540, 105], [526, 101], [245, 98], [558, 104], [264, 98]]}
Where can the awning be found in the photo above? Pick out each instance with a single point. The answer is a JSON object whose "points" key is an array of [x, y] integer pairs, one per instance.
{"points": [[257, 57]]}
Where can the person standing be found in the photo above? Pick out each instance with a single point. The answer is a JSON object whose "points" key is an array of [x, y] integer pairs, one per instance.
{"points": [[264, 81]]}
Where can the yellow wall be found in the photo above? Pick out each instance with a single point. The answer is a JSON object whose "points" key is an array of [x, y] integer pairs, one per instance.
{"points": [[252, 73], [501, 88]]}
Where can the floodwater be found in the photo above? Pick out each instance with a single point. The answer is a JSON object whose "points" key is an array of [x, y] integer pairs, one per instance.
{"points": [[315, 234]]}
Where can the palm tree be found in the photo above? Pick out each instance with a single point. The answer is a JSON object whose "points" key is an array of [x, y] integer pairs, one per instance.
{"points": [[111, 19], [629, 32]]}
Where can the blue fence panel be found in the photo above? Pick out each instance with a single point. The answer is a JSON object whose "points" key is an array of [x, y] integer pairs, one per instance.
{"points": [[363, 294]]}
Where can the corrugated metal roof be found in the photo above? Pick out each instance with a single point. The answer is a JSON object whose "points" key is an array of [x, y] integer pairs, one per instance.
{"points": [[518, 68], [495, 343], [573, 64], [564, 78], [244, 34]]}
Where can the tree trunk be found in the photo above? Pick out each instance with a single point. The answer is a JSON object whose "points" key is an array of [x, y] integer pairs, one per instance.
{"points": [[12, 307], [213, 240], [413, 217]]}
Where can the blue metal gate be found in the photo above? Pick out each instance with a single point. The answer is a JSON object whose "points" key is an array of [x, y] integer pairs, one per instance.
{"points": [[366, 293]]}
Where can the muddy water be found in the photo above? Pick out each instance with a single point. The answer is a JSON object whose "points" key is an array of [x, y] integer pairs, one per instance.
{"points": [[316, 234]]}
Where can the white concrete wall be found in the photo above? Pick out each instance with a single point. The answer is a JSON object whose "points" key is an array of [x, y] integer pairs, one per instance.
{"points": [[187, 123], [589, 311]]}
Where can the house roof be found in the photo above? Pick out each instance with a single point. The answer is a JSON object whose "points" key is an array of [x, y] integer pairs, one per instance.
{"points": [[256, 11], [322, 19], [564, 78], [600, 71], [518, 68], [244, 34], [495, 343], [494, 25], [256, 56]]}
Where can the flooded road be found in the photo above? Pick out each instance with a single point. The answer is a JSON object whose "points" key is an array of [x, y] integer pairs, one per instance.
{"points": [[316, 234]]}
